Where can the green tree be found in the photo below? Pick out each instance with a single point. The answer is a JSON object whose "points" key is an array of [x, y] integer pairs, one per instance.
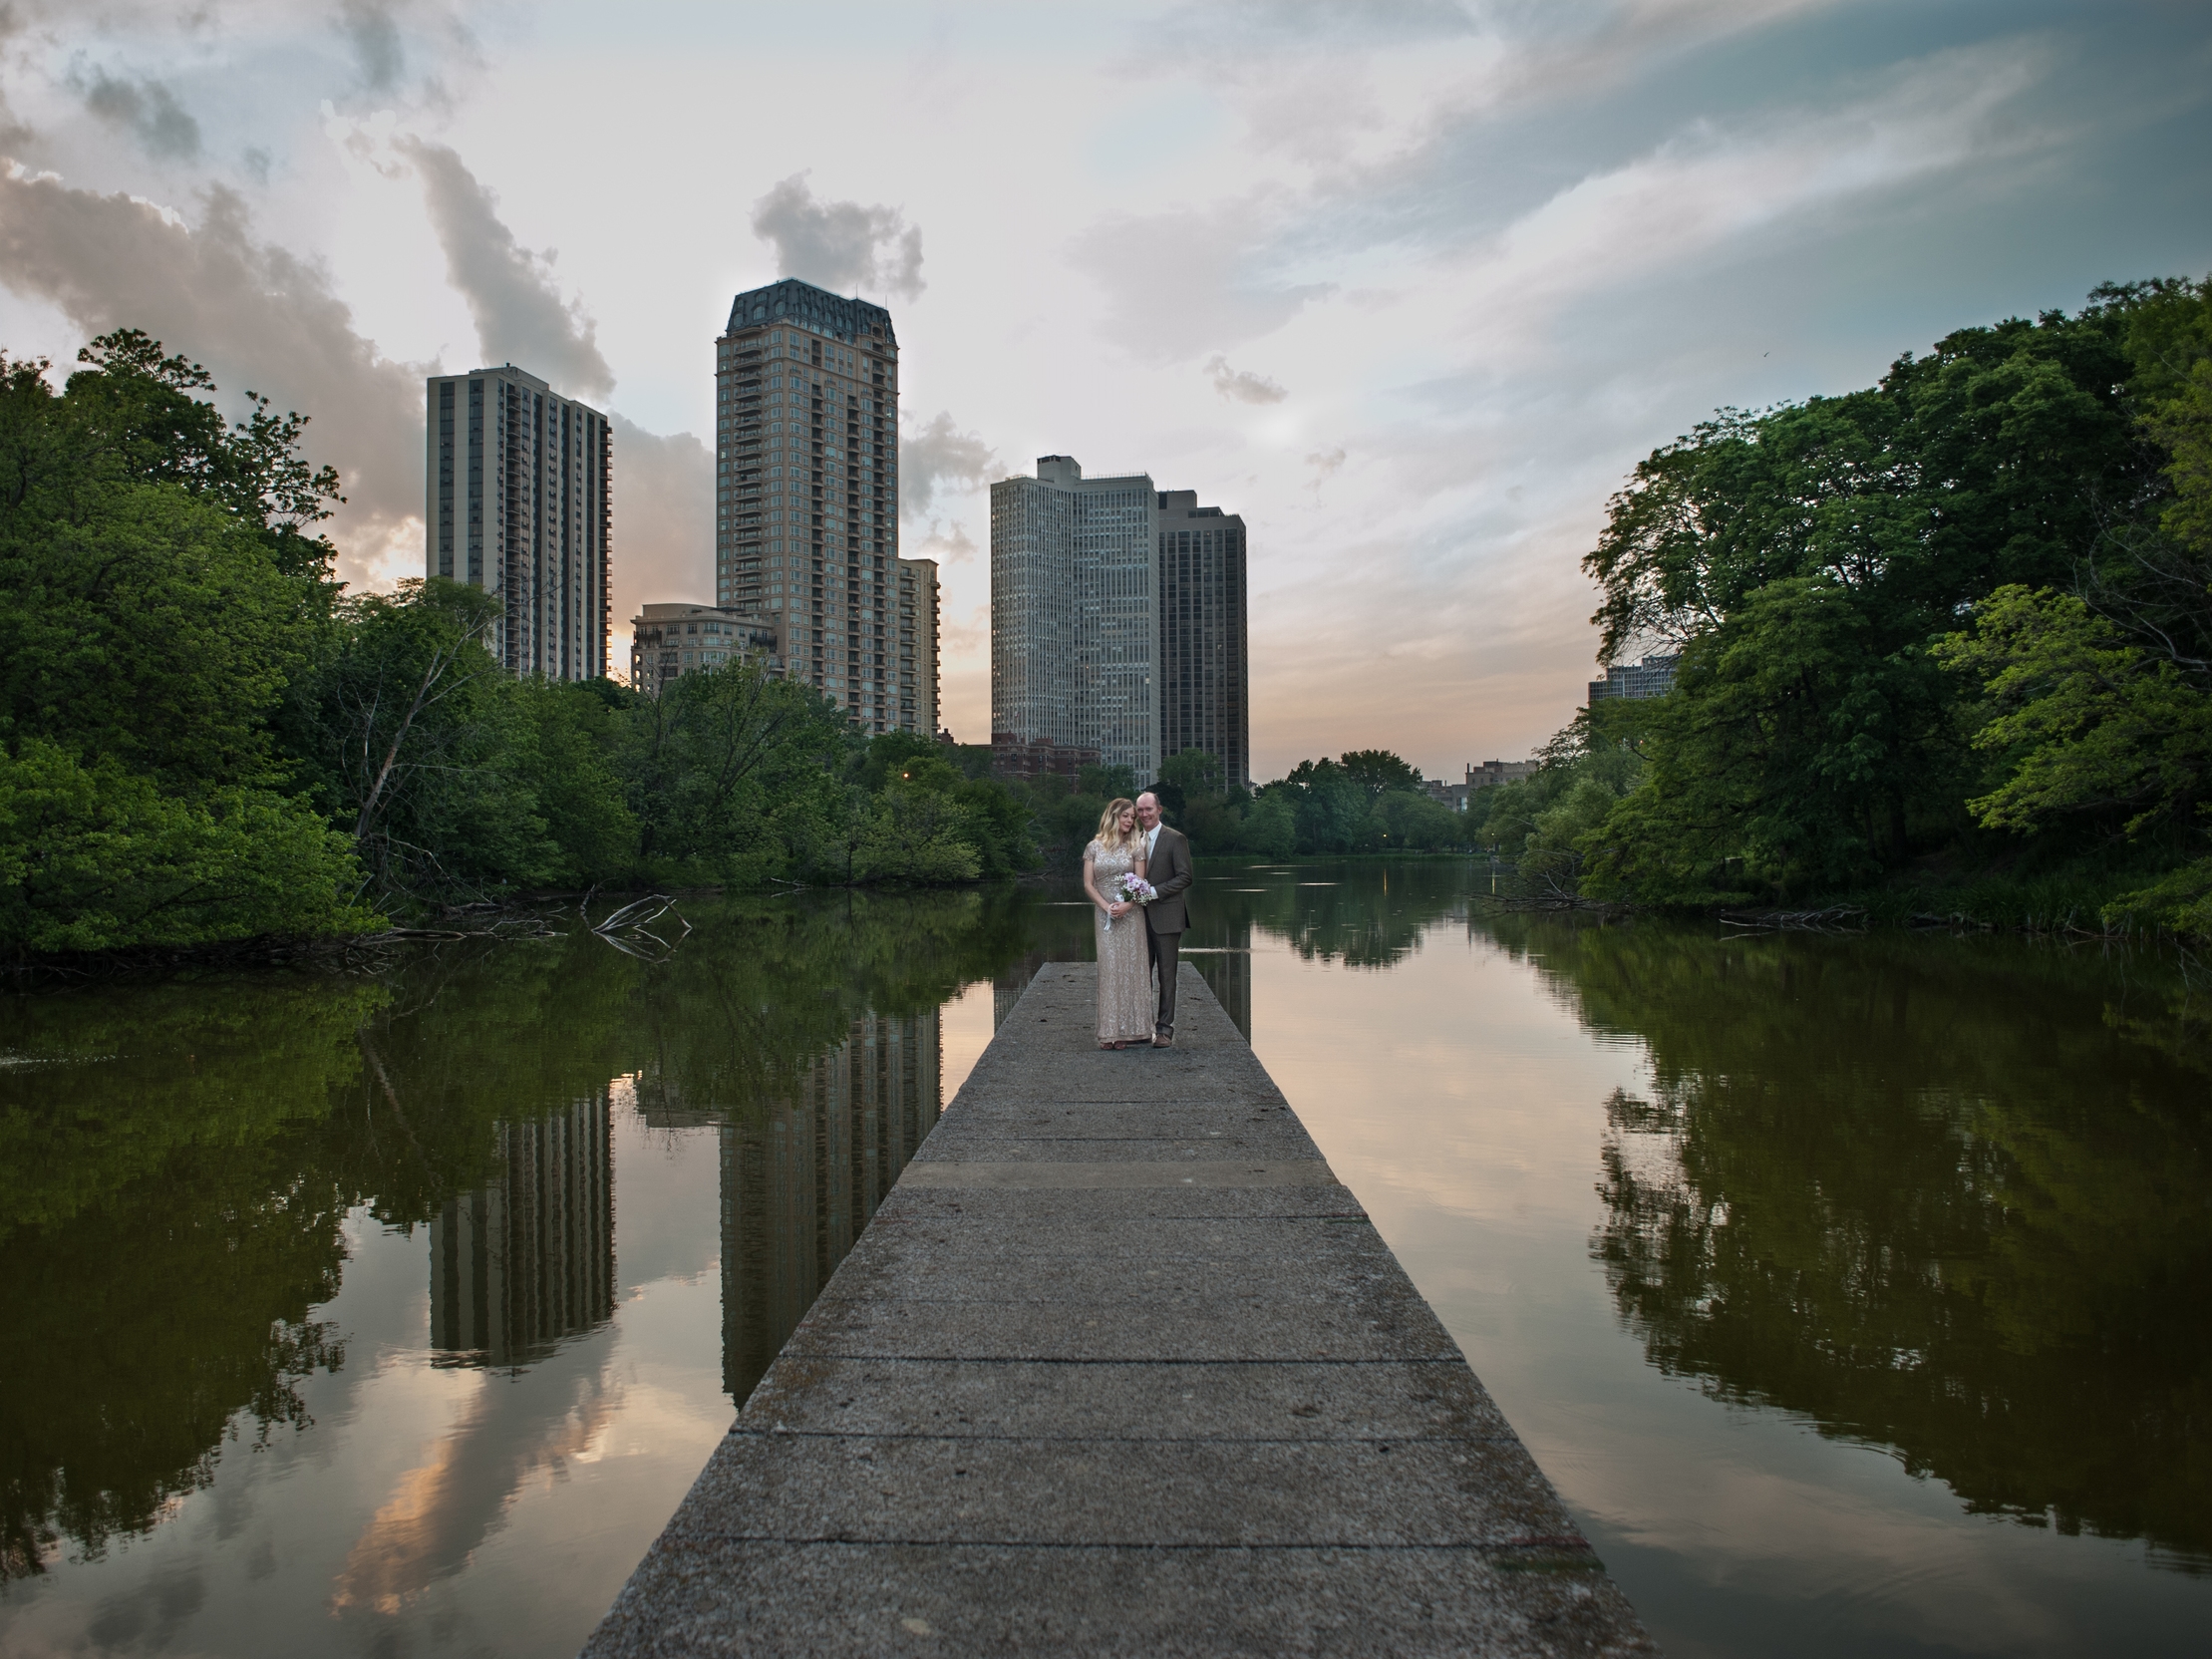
{"points": [[1376, 770], [149, 627], [1803, 562], [717, 752], [1270, 829], [1329, 807]]}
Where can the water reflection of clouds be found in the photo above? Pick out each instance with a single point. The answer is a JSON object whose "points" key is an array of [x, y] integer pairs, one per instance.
{"points": [[441, 1509], [1463, 1096]]}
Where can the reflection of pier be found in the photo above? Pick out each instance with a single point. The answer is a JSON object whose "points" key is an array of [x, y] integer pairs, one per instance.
{"points": [[1225, 962], [517, 1265], [801, 1176], [1181, 1398]]}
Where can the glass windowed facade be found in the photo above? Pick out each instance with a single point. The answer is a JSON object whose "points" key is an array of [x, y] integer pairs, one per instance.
{"points": [[1203, 671], [1118, 624], [1073, 609]]}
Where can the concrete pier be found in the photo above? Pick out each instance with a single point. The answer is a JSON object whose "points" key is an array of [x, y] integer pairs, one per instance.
{"points": [[1120, 1367]]}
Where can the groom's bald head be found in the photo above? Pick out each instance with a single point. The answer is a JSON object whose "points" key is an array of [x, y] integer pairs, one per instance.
{"points": [[1147, 809]]}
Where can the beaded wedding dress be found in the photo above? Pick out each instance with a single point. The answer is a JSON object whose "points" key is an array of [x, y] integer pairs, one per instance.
{"points": [[1126, 1001]]}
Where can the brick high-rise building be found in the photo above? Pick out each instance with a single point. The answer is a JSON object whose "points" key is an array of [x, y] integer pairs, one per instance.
{"points": [[520, 501], [917, 646], [807, 495]]}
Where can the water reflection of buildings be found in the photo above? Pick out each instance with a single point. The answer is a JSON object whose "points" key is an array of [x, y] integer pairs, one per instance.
{"points": [[1013, 980], [520, 1264], [801, 1176], [1228, 972]]}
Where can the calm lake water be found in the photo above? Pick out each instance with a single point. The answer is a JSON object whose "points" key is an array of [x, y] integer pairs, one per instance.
{"points": [[1855, 1293]]}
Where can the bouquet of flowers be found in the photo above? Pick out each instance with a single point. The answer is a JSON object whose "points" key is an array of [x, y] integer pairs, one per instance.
{"points": [[1132, 888]]}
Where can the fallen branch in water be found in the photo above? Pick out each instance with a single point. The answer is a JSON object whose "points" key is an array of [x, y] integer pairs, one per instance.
{"points": [[624, 928], [1837, 919]]}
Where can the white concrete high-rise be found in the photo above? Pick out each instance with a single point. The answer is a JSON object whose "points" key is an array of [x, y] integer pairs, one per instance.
{"points": [[1118, 625], [518, 500], [1073, 615], [806, 495]]}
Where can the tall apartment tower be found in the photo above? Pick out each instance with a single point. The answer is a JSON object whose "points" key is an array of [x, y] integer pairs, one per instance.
{"points": [[519, 503], [1073, 615], [1116, 623], [1205, 673], [917, 646], [806, 495]]}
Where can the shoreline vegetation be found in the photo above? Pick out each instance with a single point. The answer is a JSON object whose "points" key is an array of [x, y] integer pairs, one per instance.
{"points": [[1943, 648]]}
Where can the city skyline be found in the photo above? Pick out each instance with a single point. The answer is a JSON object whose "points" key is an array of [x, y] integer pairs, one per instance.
{"points": [[1414, 285]]}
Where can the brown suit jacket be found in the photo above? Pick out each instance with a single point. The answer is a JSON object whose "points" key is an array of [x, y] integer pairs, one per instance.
{"points": [[1168, 870]]}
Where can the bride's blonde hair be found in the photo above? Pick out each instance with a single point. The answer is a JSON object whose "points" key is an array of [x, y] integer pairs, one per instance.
{"points": [[1110, 824]]}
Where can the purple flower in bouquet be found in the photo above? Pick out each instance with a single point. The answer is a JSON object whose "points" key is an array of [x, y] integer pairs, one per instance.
{"points": [[1132, 888]]}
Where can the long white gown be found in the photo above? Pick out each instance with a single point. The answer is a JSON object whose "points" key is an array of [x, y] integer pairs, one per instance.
{"points": [[1126, 1003]]}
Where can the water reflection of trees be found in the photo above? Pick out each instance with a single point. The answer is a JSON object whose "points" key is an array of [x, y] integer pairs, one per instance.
{"points": [[1368, 913], [177, 1162], [1940, 1195]]}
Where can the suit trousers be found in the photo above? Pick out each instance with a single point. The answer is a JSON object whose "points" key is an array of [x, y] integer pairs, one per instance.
{"points": [[1166, 963]]}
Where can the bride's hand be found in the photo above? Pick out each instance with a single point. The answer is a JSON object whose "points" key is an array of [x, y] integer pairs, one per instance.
{"points": [[1118, 910]]}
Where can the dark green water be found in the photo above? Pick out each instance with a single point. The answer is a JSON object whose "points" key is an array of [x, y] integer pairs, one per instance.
{"points": [[1856, 1292]]}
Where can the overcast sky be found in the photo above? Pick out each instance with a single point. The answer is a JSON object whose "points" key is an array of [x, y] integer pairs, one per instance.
{"points": [[1410, 284]]}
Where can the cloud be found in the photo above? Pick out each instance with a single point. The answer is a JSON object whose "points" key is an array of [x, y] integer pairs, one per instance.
{"points": [[1712, 188], [664, 514], [520, 315], [1324, 465], [664, 509], [840, 245], [373, 33], [946, 544], [258, 316], [1178, 282], [1242, 384], [1231, 34], [145, 108], [939, 457]]}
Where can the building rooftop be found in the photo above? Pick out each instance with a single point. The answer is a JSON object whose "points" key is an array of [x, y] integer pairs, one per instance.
{"points": [[806, 306]]}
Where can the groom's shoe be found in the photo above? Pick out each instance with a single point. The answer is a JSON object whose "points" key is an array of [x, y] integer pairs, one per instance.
{"points": [[1163, 1037]]}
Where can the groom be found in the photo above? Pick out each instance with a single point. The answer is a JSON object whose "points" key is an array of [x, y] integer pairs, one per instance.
{"points": [[1168, 868]]}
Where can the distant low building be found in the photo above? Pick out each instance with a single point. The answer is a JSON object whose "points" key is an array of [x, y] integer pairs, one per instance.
{"points": [[1038, 758], [1653, 676], [1453, 796], [1489, 775], [669, 640]]}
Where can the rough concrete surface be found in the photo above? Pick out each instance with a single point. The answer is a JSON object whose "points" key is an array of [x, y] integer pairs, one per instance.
{"points": [[1120, 1367]]}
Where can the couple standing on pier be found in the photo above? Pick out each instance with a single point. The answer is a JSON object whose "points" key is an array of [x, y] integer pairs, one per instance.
{"points": [[1131, 841]]}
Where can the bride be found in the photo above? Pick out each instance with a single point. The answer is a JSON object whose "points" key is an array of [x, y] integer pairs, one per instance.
{"points": [[1125, 962]]}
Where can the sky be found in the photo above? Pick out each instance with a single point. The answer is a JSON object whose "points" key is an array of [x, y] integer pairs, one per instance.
{"points": [[1411, 284]]}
